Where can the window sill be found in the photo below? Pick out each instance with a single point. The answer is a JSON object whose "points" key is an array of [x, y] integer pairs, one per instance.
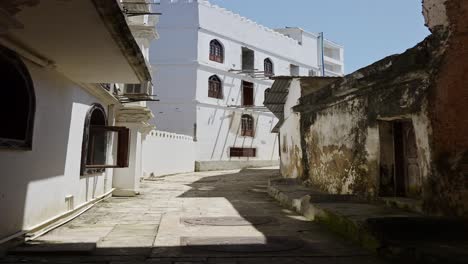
{"points": [[15, 145], [92, 172]]}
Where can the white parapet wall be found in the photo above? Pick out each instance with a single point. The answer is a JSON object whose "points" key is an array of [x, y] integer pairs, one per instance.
{"points": [[166, 153]]}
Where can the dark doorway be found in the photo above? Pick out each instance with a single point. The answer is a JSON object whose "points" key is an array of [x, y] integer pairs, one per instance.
{"points": [[399, 164], [247, 93]]}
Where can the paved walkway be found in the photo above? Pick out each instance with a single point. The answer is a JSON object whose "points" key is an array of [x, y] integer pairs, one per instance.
{"points": [[204, 218]]}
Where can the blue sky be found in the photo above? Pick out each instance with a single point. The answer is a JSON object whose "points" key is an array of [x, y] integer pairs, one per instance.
{"points": [[369, 29]]}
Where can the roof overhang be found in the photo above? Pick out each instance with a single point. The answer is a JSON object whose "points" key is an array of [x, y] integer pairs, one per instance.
{"points": [[87, 40]]}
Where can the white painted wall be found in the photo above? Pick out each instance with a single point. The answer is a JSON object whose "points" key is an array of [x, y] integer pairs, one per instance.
{"points": [[219, 129], [167, 153], [182, 68], [173, 59], [35, 183], [290, 135]]}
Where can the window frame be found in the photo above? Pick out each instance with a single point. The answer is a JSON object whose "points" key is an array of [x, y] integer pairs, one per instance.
{"points": [[17, 63], [268, 67], [215, 82], [247, 126], [216, 51], [123, 141], [250, 86], [235, 152]]}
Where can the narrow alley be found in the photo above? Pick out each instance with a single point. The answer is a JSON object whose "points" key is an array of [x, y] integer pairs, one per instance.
{"points": [[210, 217]]}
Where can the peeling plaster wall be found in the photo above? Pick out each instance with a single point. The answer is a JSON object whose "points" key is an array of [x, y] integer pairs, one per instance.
{"points": [[336, 149], [343, 146], [447, 190], [291, 151], [340, 123], [435, 13]]}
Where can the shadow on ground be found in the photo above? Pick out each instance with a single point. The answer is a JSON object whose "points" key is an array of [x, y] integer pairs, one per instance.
{"points": [[224, 218]]}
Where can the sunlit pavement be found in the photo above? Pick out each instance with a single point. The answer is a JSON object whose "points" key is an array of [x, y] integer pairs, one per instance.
{"points": [[210, 217]]}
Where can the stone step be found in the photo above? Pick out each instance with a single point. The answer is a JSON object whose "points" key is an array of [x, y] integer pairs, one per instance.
{"points": [[391, 232]]}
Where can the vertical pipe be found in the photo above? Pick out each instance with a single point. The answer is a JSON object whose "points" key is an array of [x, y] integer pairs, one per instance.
{"points": [[322, 60]]}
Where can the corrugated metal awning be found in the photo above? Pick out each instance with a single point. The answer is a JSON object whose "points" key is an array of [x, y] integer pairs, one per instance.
{"points": [[275, 97]]}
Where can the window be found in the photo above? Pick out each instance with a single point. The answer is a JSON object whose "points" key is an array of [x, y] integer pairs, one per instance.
{"points": [[247, 126], [133, 89], [216, 51], [242, 152], [96, 141], [19, 104], [248, 60], [268, 67], [294, 70], [312, 73], [215, 88], [247, 93]]}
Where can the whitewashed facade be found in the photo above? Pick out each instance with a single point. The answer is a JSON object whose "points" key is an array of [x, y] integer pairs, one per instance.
{"points": [[182, 67], [56, 99]]}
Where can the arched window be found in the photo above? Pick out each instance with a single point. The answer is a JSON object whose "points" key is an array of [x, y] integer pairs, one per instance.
{"points": [[216, 51], [19, 104], [215, 87], [268, 67], [96, 138], [247, 126]]}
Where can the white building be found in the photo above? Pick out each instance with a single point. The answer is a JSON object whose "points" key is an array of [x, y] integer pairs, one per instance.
{"points": [[212, 68], [68, 138]]}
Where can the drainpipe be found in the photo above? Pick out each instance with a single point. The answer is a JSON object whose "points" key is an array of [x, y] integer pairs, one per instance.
{"points": [[321, 54]]}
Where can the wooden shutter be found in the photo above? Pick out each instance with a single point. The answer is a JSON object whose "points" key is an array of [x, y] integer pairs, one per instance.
{"points": [[247, 94], [123, 141], [123, 146]]}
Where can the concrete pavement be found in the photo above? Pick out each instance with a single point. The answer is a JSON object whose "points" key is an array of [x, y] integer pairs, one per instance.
{"points": [[210, 217]]}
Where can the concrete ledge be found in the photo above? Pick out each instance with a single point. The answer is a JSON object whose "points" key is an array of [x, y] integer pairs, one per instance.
{"points": [[393, 233], [125, 193], [233, 165]]}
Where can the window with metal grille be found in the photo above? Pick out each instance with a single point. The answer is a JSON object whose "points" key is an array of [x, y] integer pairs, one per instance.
{"points": [[216, 51], [243, 152], [247, 93], [268, 67], [19, 104], [215, 88], [247, 126]]}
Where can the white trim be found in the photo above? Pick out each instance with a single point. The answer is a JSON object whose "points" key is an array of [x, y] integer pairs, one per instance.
{"points": [[271, 54], [234, 109]]}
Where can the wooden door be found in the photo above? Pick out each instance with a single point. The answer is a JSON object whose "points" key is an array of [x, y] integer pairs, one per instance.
{"points": [[413, 180]]}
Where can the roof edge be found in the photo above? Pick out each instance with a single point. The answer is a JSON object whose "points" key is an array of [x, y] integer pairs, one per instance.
{"points": [[114, 19]]}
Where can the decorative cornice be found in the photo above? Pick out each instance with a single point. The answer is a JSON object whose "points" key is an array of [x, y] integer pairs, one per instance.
{"points": [[134, 114]]}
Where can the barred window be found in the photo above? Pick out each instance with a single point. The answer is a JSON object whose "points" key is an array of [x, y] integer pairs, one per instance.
{"points": [[268, 67], [215, 88], [216, 51], [243, 152], [247, 126]]}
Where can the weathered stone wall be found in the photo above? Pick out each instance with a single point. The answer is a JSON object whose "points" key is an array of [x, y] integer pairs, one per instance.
{"points": [[340, 123], [447, 190]]}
